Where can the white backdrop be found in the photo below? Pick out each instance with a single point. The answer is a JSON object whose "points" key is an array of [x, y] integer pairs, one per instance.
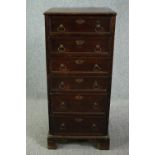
{"points": [[36, 66]]}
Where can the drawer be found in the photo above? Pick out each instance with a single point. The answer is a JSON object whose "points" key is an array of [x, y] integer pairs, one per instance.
{"points": [[83, 83], [78, 102], [78, 125], [95, 24], [98, 45], [76, 64]]}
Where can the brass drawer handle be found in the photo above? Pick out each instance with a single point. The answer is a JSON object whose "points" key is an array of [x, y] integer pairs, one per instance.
{"points": [[78, 97], [61, 85], [97, 67], [79, 61], [79, 80], [98, 48], [62, 67], [61, 28], [95, 105], [99, 28], [62, 126], [79, 42], [61, 48], [80, 21], [93, 126], [78, 119], [62, 105], [95, 85]]}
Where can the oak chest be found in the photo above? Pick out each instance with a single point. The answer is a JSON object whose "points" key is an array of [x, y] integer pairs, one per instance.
{"points": [[79, 55]]}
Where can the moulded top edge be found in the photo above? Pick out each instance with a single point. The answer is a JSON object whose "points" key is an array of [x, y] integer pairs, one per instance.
{"points": [[84, 10]]}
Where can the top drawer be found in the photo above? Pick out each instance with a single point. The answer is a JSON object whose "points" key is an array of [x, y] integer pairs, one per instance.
{"points": [[62, 24]]}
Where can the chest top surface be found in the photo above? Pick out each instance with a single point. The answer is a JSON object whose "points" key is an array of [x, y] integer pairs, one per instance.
{"points": [[84, 10]]}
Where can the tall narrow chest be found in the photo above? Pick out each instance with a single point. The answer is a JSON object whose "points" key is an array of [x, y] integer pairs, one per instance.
{"points": [[79, 55]]}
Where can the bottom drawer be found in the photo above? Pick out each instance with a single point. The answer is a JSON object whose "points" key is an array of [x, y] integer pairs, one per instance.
{"points": [[78, 125]]}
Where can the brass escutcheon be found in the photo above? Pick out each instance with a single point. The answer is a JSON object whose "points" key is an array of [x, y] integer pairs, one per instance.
{"points": [[78, 119], [79, 80], [79, 61], [80, 21], [78, 97], [79, 42]]}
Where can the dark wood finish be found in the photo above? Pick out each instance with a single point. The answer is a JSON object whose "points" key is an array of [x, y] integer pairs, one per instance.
{"points": [[97, 44], [79, 55], [68, 64], [79, 103], [79, 24], [100, 142], [83, 83], [78, 125]]}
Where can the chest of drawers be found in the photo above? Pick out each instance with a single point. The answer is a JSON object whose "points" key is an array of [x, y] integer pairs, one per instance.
{"points": [[79, 54]]}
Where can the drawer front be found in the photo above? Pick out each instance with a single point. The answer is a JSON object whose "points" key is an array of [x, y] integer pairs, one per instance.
{"points": [[95, 24], [66, 83], [102, 65], [78, 102], [81, 44], [78, 125]]}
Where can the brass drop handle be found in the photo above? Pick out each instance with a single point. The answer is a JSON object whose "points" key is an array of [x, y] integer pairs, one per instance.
{"points": [[97, 67], [95, 86], [98, 48], [78, 119], [62, 126], [61, 85], [62, 67], [99, 28], [61, 28], [93, 126], [78, 97], [79, 61], [79, 80], [62, 105], [61, 48], [95, 105]]}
